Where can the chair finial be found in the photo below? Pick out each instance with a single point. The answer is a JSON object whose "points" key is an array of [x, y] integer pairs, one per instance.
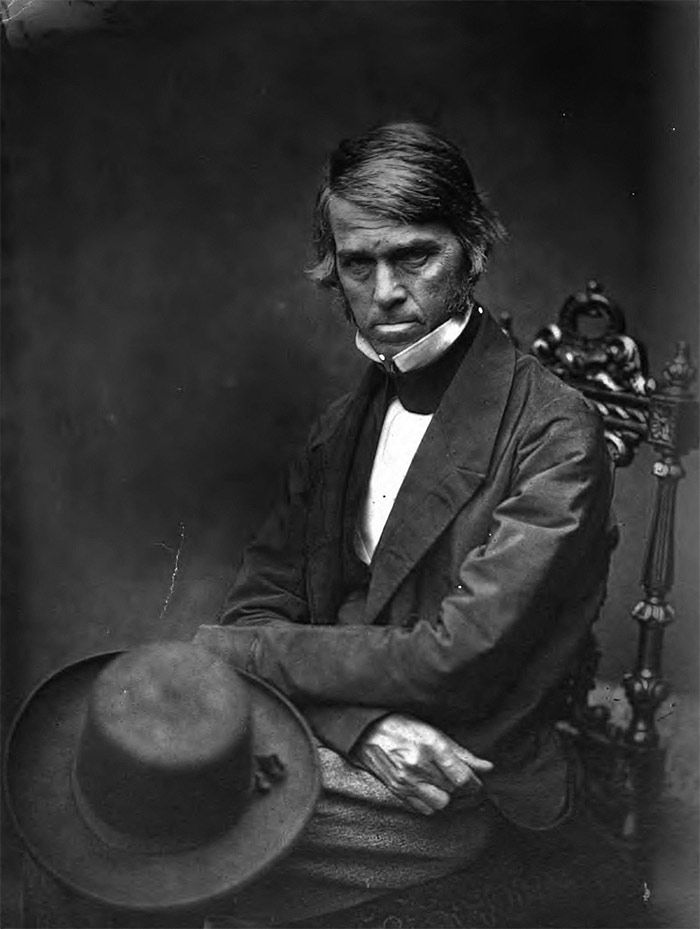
{"points": [[679, 373]]}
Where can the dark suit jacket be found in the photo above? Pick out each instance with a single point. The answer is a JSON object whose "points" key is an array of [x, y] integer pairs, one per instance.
{"points": [[485, 582]]}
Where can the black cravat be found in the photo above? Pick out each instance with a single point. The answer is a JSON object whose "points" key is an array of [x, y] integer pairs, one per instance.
{"points": [[421, 391]]}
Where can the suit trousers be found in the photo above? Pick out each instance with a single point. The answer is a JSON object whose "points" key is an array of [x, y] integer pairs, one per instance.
{"points": [[362, 842]]}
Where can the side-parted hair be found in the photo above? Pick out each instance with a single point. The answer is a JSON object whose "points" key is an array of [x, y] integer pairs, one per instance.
{"points": [[409, 173]]}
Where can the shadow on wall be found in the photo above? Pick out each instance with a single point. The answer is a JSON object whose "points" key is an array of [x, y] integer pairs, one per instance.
{"points": [[163, 354]]}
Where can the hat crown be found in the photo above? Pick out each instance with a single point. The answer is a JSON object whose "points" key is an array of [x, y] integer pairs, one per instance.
{"points": [[164, 758], [171, 704]]}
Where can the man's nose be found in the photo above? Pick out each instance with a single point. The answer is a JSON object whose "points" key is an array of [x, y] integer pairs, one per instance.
{"points": [[388, 290]]}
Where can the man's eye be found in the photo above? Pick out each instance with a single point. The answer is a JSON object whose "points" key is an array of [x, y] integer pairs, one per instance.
{"points": [[415, 260], [356, 267]]}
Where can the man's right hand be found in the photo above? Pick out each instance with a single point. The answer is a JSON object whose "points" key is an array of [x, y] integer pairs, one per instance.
{"points": [[418, 763]]}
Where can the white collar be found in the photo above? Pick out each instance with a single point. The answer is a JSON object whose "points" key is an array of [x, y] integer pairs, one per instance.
{"points": [[423, 352]]}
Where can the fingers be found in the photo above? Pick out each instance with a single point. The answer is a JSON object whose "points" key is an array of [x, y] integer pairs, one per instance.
{"points": [[474, 762], [458, 765], [455, 772], [427, 799]]}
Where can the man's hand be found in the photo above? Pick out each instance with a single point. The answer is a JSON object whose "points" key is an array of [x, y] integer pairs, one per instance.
{"points": [[418, 763]]}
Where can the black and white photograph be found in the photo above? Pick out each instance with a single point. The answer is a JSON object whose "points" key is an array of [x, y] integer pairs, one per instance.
{"points": [[350, 486]]}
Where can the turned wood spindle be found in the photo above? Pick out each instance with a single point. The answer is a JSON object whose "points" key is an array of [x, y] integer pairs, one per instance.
{"points": [[668, 434]]}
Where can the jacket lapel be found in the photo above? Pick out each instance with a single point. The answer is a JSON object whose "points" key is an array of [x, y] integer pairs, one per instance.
{"points": [[332, 455], [450, 464]]}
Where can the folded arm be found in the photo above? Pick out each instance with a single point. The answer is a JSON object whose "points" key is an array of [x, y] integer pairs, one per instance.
{"points": [[503, 602], [269, 592]]}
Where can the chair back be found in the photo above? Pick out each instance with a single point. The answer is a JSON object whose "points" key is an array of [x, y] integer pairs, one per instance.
{"points": [[588, 347]]}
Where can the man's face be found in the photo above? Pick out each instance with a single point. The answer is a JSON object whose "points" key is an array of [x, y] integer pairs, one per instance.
{"points": [[400, 281]]}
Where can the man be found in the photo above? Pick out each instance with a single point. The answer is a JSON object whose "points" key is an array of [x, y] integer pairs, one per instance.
{"points": [[429, 579]]}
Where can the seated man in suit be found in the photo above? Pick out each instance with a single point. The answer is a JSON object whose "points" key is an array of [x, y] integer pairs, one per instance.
{"points": [[432, 572]]}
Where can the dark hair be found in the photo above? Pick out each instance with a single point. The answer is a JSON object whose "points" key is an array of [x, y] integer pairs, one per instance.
{"points": [[409, 173]]}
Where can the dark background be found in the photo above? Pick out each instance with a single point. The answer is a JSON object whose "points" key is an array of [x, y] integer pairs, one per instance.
{"points": [[163, 353]]}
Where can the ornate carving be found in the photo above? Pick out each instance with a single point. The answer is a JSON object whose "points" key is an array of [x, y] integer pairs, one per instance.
{"points": [[654, 612], [679, 373], [672, 413], [588, 347], [662, 422], [673, 422], [625, 764], [588, 343], [645, 693]]}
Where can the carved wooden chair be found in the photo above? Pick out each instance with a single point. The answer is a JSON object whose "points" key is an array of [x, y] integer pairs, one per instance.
{"points": [[626, 764], [598, 875]]}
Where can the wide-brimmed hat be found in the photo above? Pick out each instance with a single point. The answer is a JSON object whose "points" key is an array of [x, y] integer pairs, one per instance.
{"points": [[159, 778]]}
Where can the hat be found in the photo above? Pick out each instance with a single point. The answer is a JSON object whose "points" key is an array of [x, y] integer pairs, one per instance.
{"points": [[159, 778]]}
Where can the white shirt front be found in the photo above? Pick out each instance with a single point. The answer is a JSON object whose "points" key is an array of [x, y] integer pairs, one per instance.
{"points": [[400, 437]]}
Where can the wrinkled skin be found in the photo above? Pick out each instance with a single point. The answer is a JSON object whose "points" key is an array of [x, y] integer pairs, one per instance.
{"points": [[418, 763], [399, 281]]}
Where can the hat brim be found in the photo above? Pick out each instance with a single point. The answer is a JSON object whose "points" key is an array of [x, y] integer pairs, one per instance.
{"points": [[38, 763]]}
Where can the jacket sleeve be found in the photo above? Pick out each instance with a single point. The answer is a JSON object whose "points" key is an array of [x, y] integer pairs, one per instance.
{"points": [[270, 593], [270, 586], [546, 540]]}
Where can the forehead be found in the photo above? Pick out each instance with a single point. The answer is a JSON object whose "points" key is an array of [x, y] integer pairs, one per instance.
{"points": [[358, 230]]}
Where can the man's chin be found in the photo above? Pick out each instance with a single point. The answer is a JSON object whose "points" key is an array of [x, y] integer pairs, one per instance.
{"points": [[391, 349], [389, 341]]}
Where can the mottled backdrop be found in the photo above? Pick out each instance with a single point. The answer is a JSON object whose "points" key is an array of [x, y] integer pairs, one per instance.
{"points": [[163, 353]]}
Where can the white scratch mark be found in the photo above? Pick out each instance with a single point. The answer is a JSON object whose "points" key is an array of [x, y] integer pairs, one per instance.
{"points": [[7, 13], [173, 576]]}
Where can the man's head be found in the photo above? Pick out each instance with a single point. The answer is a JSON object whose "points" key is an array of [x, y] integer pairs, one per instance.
{"points": [[401, 232]]}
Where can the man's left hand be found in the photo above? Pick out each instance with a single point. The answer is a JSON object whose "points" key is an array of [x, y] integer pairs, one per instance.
{"points": [[418, 763]]}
